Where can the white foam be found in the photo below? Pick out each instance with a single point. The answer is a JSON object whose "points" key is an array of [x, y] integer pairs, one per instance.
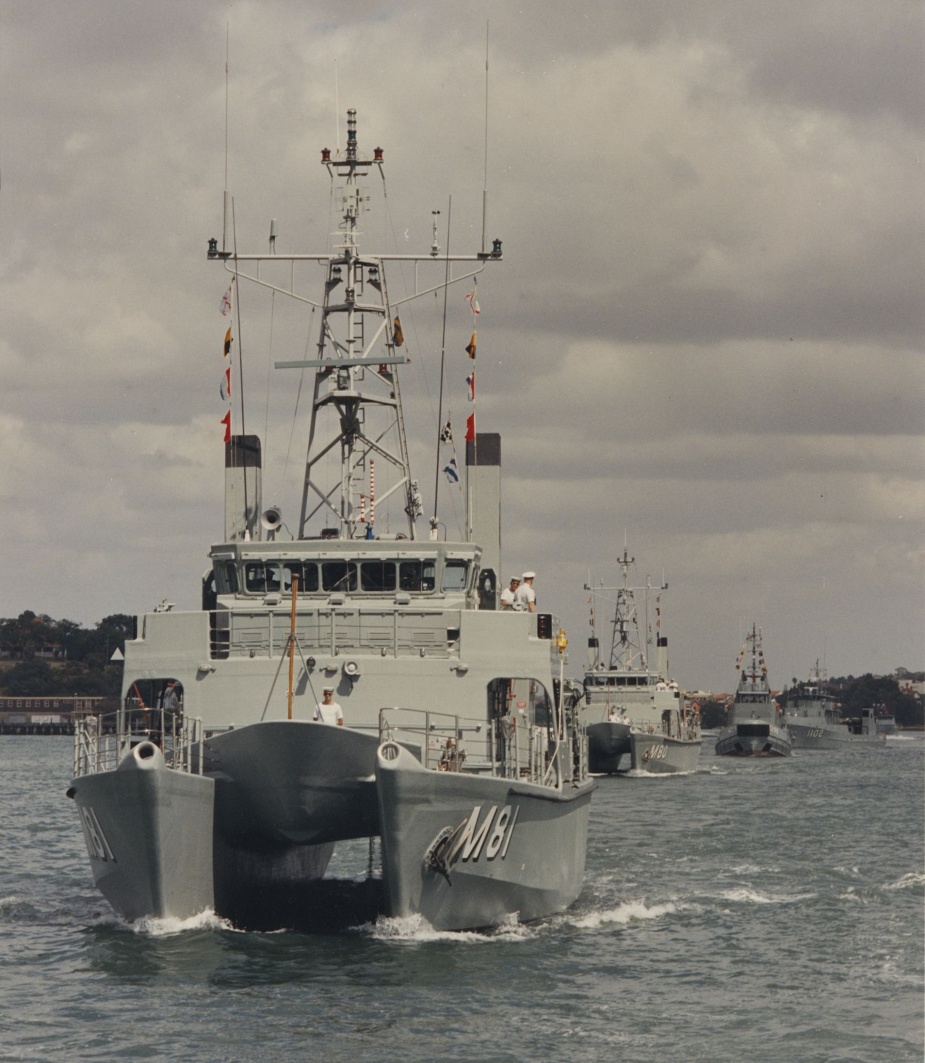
{"points": [[641, 773], [629, 911], [907, 882], [170, 925], [744, 895], [415, 929], [850, 895]]}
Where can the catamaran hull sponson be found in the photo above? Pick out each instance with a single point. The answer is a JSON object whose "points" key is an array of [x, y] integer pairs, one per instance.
{"points": [[148, 831], [750, 740], [293, 782], [660, 754], [607, 743], [525, 856]]}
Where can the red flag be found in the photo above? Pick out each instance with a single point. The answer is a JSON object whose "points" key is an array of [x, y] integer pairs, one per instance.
{"points": [[470, 428], [225, 390], [226, 421]]}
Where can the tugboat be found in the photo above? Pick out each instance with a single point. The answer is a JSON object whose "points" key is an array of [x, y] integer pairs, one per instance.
{"points": [[816, 722], [222, 788], [754, 726], [631, 710]]}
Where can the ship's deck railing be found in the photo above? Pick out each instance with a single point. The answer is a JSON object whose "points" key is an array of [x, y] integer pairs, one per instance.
{"points": [[507, 747], [100, 742]]}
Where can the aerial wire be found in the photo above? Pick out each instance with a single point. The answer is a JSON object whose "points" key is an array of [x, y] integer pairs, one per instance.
{"points": [[446, 285]]}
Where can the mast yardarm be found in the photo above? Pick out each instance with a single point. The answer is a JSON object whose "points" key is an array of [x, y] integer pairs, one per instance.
{"points": [[356, 412]]}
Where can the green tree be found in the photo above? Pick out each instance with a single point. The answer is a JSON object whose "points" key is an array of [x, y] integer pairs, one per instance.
{"points": [[712, 714], [25, 635], [883, 693], [30, 679]]}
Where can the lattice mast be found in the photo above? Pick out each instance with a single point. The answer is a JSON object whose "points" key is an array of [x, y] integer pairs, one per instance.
{"points": [[359, 386]]}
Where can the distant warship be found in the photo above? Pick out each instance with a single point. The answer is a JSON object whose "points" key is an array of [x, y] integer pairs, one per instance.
{"points": [[754, 726], [634, 713]]}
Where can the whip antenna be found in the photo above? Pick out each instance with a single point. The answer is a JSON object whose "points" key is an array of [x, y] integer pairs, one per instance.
{"points": [[485, 175]]}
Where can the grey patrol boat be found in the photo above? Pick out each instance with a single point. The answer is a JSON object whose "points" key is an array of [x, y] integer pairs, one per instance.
{"points": [[213, 788], [637, 718], [815, 720], [755, 726]]}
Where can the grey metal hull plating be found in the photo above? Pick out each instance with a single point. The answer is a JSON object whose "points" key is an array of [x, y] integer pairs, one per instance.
{"points": [[293, 782], [244, 840], [660, 754], [811, 734], [149, 837], [607, 743], [521, 848], [753, 740]]}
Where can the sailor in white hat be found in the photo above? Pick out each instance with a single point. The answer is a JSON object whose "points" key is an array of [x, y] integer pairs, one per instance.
{"points": [[507, 595], [525, 598], [327, 710]]}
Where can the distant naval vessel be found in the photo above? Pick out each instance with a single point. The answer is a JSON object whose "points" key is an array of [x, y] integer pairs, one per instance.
{"points": [[755, 726], [637, 718], [815, 720], [458, 754]]}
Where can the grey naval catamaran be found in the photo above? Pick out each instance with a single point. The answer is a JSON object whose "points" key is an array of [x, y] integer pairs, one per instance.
{"points": [[755, 726], [630, 709], [214, 788], [815, 720]]}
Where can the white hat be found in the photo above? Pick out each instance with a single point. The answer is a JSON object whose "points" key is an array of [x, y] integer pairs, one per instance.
{"points": [[327, 690], [515, 579], [529, 575]]}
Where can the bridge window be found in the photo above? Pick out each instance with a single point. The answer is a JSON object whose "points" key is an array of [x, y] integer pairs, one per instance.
{"points": [[307, 571], [226, 578], [339, 576], [454, 576], [255, 577], [377, 576], [416, 575]]}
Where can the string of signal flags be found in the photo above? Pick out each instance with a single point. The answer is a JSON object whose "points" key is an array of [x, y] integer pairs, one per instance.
{"points": [[446, 433], [451, 469]]}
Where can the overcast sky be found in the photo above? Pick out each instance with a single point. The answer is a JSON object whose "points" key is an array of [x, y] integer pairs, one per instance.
{"points": [[705, 338]]}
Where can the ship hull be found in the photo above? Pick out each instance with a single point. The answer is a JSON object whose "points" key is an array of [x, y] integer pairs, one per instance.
{"points": [[607, 744], [286, 791], [811, 735], [148, 831], [660, 754], [293, 782], [753, 739], [518, 849], [250, 839]]}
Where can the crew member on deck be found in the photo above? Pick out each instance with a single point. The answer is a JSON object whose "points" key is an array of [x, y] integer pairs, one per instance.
{"points": [[507, 595], [327, 710], [525, 598]]}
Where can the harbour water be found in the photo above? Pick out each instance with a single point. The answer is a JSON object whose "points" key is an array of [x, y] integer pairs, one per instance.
{"points": [[753, 910]]}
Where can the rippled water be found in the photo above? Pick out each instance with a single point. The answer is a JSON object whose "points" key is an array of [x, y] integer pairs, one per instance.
{"points": [[759, 911]]}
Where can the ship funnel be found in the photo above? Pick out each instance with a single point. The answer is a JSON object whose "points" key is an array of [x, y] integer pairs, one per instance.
{"points": [[661, 660], [483, 467], [242, 488]]}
